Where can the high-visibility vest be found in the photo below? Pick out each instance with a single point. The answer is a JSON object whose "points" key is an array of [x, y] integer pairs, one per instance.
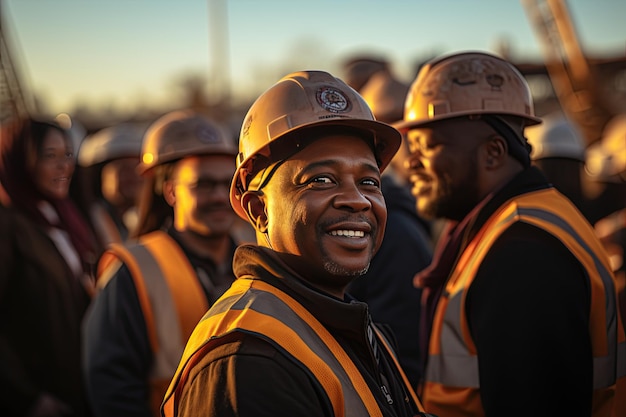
{"points": [[165, 279], [255, 307], [452, 368]]}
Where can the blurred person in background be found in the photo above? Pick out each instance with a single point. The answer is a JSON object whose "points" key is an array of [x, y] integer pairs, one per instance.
{"points": [[387, 287], [558, 150], [47, 254], [527, 304], [358, 69], [606, 166], [153, 289], [109, 185]]}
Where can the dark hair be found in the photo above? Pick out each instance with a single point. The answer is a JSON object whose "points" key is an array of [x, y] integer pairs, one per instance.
{"points": [[21, 143], [20, 147]]}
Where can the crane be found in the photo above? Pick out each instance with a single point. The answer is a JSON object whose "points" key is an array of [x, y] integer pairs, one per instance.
{"points": [[574, 81]]}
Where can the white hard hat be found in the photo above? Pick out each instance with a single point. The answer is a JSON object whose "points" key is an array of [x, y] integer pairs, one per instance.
{"points": [[119, 141], [556, 137]]}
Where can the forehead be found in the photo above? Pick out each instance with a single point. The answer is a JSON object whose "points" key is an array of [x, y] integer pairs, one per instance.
{"points": [[54, 139], [333, 146], [202, 164], [449, 128]]}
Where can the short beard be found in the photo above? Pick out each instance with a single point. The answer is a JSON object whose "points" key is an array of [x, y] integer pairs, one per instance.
{"points": [[337, 270], [454, 201]]}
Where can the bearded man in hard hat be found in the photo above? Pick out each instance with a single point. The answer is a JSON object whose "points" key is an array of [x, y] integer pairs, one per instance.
{"points": [[153, 290], [286, 339], [526, 314]]}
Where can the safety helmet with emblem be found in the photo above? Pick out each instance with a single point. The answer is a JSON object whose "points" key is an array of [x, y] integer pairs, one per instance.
{"points": [[474, 84], [296, 103], [181, 133], [468, 83]]}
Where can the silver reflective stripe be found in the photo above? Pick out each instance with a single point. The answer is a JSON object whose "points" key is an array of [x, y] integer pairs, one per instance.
{"points": [[603, 367], [268, 304], [457, 368], [164, 311], [454, 367]]}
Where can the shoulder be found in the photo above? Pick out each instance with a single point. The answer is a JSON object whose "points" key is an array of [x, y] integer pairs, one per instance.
{"points": [[252, 376], [526, 262]]}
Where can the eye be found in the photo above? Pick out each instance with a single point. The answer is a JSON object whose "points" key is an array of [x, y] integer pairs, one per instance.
{"points": [[321, 179], [371, 182]]}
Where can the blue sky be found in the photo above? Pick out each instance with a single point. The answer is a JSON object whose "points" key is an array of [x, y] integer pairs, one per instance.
{"points": [[119, 52]]}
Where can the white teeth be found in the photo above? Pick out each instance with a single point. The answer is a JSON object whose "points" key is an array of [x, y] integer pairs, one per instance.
{"points": [[349, 233]]}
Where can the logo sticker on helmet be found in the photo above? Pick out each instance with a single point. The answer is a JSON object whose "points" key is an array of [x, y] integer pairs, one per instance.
{"points": [[333, 100], [495, 81]]}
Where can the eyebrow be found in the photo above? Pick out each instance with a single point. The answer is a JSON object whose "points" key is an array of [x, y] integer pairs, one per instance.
{"points": [[331, 162]]}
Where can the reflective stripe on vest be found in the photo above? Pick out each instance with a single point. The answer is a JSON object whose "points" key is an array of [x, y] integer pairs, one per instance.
{"points": [[163, 277], [254, 307], [452, 359]]}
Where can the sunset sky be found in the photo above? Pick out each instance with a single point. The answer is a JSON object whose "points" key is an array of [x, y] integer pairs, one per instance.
{"points": [[120, 52]]}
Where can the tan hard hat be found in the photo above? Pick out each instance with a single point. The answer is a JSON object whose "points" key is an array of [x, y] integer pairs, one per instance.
{"points": [[467, 83], [359, 69], [385, 95], [181, 133], [119, 141], [298, 101]]}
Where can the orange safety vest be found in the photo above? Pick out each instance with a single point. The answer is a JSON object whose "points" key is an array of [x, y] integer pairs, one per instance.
{"points": [[255, 307], [164, 278], [452, 368]]}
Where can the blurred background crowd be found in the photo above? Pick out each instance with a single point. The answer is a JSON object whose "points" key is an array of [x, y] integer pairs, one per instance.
{"points": [[107, 71]]}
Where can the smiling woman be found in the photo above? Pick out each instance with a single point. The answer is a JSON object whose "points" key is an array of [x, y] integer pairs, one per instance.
{"points": [[46, 253]]}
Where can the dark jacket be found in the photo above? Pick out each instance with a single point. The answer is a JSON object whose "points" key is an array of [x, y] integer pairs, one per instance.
{"points": [[247, 375], [528, 315], [41, 308], [387, 287], [118, 355]]}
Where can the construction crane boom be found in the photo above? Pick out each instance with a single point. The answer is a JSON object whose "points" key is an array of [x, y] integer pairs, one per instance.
{"points": [[573, 79], [13, 101]]}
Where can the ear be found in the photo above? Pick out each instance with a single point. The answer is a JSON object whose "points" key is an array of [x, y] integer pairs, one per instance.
{"points": [[494, 152], [169, 193], [253, 203]]}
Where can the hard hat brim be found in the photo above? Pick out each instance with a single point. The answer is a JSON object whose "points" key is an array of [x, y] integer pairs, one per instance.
{"points": [[387, 141], [405, 125]]}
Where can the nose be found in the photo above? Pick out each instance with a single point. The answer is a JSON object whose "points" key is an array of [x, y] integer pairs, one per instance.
{"points": [[412, 161], [64, 161], [351, 197]]}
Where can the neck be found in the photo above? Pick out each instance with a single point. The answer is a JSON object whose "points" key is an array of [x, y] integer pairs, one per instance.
{"points": [[215, 248]]}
